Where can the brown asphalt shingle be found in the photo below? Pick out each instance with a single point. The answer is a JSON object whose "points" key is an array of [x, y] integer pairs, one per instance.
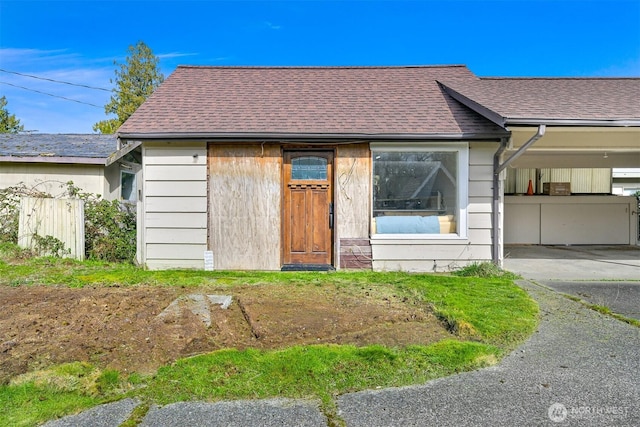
{"points": [[555, 98], [308, 100]]}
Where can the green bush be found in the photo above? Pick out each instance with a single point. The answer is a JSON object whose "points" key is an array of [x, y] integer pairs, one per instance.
{"points": [[10, 209]]}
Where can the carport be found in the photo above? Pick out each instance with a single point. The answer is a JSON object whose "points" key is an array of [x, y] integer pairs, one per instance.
{"points": [[560, 125]]}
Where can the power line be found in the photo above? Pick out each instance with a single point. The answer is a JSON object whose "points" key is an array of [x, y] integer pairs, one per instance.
{"points": [[55, 81], [50, 94]]}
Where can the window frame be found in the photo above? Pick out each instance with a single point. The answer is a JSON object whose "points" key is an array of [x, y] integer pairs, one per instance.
{"points": [[462, 181], [134, 190]]}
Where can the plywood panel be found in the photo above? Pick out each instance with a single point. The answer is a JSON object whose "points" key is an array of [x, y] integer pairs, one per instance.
{"points": [[353, 190], [177, 235], [176, 204], [579, 224], [245, 206], [175, 220], [175, 173], [176, 188]]}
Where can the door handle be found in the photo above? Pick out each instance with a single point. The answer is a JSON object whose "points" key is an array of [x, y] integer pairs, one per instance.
{"points": [[331, 215]]}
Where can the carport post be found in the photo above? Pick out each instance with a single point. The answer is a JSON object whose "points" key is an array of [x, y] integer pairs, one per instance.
{"points": [[497, 169]]}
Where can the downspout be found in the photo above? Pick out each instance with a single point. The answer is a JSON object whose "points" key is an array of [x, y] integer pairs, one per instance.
{"points": [[497, 169], [539, 134]]}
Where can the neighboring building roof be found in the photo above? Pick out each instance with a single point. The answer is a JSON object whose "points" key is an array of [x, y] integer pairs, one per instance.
{"points": [[601, 101], [59, 148], [313, 102]]}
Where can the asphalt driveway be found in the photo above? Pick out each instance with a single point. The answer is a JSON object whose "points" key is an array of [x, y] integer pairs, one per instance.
{"points": [[620, 297], [602, 275]]}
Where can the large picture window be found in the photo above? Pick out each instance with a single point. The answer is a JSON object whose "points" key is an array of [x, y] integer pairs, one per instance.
{"points": [[418, 191]]}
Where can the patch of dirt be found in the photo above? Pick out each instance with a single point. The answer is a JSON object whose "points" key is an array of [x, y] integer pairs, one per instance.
{"points": [[120, 328]]}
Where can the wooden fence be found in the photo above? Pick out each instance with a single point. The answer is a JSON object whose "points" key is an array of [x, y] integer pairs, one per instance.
{"points": [[62, 219]]}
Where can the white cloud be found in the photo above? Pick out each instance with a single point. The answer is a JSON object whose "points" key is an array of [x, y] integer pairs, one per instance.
{"points": [[629, 68], [271, 26], [175, 55]]}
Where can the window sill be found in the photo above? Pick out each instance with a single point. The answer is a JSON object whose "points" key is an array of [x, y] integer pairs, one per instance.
{"points": [[418, 238]]}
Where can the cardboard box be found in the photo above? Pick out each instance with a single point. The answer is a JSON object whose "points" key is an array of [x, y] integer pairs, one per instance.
{"points": [[556, 188]]}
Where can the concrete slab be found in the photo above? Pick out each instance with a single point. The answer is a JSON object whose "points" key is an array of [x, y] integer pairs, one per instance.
{"points": [[574, 262]]}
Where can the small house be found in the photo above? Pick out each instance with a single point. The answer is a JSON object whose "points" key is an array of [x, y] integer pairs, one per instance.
{"points": [[384, 168]]}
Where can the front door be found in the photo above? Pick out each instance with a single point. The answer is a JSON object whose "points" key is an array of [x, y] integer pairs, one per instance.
{"points": [[308, 208]]}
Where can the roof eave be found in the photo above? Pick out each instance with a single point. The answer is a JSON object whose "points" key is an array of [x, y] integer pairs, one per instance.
{"points": [[573, 122], [55, 159], [308, 137]]}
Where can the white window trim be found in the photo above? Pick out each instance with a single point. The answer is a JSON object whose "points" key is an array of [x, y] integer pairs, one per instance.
{"points": [[462, 148]]}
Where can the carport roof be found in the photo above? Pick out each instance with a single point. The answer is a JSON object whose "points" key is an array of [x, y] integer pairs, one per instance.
{"points": [[312, 102], [559, 101]]}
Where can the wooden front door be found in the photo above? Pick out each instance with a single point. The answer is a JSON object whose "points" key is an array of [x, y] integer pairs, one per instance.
{"points": [[308, 207]]}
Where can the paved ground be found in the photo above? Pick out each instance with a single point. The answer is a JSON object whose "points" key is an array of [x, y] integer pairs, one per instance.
{"points": [[621, 297], [601, 275], [574, 262], [579, 368]]}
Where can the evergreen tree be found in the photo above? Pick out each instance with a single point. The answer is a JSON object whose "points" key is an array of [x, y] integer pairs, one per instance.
{"points": [[135, 80], [8, 122]]}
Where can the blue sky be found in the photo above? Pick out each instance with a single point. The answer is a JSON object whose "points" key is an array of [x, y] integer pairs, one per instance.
{"points": [[78, 42]]}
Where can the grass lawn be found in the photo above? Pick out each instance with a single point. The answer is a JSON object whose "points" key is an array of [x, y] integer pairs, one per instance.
{"points": [[490, 316]]}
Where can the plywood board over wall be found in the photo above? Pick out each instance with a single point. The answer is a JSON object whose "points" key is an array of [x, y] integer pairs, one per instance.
{"points": [[353, 206], [245, 206]]}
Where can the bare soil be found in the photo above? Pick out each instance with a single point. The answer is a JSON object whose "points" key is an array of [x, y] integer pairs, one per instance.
{"points": [[120, 328]]}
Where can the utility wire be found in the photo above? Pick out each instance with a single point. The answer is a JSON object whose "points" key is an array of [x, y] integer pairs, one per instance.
{"points": [[55, 81], [50, 94]]}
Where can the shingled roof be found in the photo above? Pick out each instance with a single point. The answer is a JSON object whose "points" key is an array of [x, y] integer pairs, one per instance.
{"points": [[312, 102], [61, 148], [543, 100]]}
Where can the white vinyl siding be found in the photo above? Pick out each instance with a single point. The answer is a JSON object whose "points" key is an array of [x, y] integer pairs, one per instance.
{"points": [[175, 205], [52, 178]]}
